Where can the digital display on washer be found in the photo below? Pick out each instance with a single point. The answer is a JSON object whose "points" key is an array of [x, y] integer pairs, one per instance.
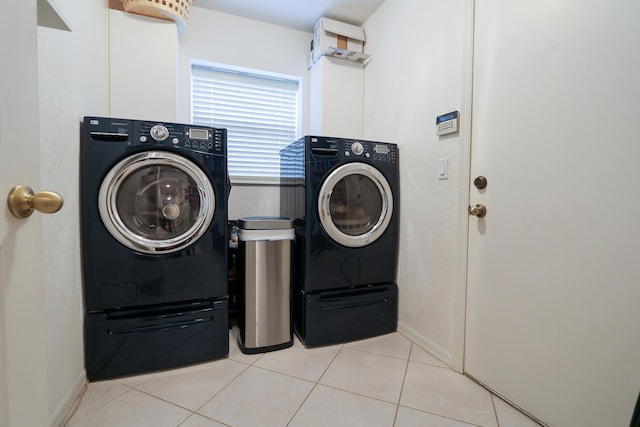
{"points": [[381, 149], [199, 134]]}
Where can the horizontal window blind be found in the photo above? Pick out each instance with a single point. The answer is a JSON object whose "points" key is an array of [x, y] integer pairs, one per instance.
{"points": [[259, 112]]}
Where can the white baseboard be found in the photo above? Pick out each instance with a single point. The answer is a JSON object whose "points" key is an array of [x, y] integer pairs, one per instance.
{"points": [[70, 402], [426, 344]]}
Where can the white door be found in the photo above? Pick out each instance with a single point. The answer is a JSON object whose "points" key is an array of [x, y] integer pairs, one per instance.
{"points": [[553, 308], [23, 391]]}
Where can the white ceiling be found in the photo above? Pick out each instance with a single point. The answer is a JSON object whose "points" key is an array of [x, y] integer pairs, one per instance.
{"points": [[297, 14]]}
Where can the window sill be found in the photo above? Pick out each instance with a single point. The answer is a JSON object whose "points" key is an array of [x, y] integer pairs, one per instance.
{"points": [[254, 181]]}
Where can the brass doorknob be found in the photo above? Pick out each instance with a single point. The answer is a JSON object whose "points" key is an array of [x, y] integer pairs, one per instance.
{"points": [[23, 201], [478, 210]]}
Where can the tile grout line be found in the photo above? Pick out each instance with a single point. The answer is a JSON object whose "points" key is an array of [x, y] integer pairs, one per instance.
{"points": [[448, 417], [400, 358], [421, 410], [301, 404], [344, 346], [284, 374], [315, 385], [376, 353], [203, 416], [495, 410], [153, 397], [247, 366], [98, 407], [404, 378], [164, 400], [222, 389]]}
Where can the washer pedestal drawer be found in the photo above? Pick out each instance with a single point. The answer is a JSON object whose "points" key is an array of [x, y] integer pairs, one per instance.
{"points": [[334, 317], [128, 342]]}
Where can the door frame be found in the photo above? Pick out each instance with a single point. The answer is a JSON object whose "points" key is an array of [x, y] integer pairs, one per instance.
{"points": [[465, 125]]}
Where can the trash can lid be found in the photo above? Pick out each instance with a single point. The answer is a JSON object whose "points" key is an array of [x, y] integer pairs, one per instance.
{"points": [[265, 223]]}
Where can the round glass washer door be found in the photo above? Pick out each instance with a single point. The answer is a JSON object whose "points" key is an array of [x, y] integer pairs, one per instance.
{"points": [[355, 204], [156, 202]]}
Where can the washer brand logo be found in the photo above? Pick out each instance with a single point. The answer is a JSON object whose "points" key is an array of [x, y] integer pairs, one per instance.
{"points": [[94, 122]]}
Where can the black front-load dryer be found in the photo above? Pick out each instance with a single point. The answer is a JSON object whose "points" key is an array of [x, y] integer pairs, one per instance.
{"points": [[154, 239], [344, 196]]}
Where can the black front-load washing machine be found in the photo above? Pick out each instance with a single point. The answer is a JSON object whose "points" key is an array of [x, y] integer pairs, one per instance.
{"points": [[344, 197], [154, 245]]}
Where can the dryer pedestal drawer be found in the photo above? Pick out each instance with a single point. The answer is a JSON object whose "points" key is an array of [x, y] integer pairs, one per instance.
{"points": [[334, 317], [137, 341]]}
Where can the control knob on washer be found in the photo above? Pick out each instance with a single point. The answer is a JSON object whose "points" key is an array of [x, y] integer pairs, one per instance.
{"points": [[159, 133], [357, 148]]}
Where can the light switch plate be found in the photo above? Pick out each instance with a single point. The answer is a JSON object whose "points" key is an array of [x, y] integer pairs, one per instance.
{"points": [[443, 169]]}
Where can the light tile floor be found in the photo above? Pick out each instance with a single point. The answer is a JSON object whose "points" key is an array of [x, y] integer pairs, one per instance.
{"points": [[384, 381]]}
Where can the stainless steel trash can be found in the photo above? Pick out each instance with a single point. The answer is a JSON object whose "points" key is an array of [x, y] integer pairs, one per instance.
{"points": [[264, 303]]}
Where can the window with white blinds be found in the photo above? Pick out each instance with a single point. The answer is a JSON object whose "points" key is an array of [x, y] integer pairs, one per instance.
{"points": [[260, 113]]}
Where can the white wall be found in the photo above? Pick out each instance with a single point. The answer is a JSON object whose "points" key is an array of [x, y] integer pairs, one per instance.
{"points": [[415, 74], [336, 97], [72, 76], [231, 40], [143, 69]]}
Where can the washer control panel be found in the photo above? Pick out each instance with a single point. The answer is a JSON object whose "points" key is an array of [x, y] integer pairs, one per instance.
{"points": [[132, 132], [197, 138]]}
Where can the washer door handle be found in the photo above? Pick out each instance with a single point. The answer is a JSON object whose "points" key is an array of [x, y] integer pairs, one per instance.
{"points": [[23, 201]]}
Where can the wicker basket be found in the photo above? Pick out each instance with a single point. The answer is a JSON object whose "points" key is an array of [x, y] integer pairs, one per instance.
{"points": [[173, 10]]}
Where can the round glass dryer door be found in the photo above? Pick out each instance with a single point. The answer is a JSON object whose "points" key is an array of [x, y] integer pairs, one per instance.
{"points": [[156, 202], [355, 204]]}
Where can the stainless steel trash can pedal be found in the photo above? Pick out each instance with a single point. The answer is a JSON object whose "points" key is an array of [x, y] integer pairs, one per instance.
{"points": [[264, 294]]}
